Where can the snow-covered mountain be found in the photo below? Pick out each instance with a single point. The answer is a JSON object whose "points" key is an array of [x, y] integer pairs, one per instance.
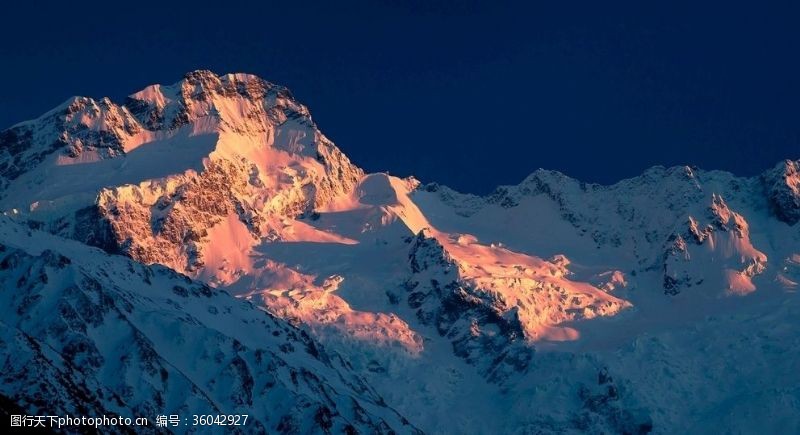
{"points": [[664, 303]]}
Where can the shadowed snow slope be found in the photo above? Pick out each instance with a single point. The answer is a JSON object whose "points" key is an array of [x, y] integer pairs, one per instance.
{"points": [[85, 333], [665, 302]]}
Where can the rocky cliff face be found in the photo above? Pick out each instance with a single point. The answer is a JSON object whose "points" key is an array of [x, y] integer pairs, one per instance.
{"points": [[476, 323], [782, 186]]}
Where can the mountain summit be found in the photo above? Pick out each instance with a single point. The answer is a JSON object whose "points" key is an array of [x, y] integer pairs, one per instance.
{"points": [[551, 306]]}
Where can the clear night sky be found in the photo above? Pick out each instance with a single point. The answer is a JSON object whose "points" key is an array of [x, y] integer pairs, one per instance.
{"points": [[469, 96]]}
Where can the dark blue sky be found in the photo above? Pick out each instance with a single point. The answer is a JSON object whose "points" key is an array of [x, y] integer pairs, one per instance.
{"points": [[470, 95]]}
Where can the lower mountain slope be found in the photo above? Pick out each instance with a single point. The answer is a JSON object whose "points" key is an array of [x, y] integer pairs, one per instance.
{"points": [[85, 333]]}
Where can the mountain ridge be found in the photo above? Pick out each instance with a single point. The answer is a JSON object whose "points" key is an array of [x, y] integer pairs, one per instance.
{"points": [[479, 300]]}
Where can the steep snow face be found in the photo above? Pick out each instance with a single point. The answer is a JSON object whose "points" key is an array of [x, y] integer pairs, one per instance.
{"points": [[719, 252], [170, 164], [87, 333]]}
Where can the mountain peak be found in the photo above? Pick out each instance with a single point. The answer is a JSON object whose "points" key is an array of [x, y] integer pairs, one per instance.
{"points": [[203, 93], [201, 74], [189, 155]]}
